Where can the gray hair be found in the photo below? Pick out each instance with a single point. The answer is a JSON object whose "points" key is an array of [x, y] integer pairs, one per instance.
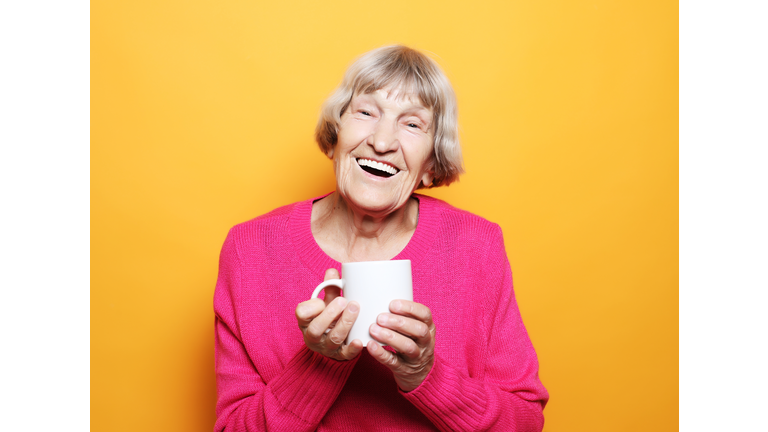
{"points": [[415, 73]]}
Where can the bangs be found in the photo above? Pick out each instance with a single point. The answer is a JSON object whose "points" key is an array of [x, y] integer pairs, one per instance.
{"points": [[404, 70]]}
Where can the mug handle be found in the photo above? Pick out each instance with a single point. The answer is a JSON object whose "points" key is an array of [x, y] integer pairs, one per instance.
{"points": [[336, 282]]}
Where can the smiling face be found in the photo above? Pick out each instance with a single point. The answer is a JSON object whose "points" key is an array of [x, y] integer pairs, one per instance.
{"points": [[383, 151]]}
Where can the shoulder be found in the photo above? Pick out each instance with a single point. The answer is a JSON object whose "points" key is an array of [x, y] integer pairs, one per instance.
{"points": [[277, 216], [458, 223], [272, 228]]}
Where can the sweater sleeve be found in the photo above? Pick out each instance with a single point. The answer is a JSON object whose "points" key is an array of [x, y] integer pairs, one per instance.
{"points": [[295, 400], [509, 396]]}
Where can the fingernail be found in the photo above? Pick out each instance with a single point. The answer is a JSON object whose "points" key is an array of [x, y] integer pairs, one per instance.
{"points": [[382, 319], [395, 305], [353, 307], [374, 329]]}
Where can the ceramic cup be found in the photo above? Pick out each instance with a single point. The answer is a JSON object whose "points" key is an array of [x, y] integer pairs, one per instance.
{"points": [[372, 284]]}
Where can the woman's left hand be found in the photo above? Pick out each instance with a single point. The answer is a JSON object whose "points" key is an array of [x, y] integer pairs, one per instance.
{"points": [[410, 331]]}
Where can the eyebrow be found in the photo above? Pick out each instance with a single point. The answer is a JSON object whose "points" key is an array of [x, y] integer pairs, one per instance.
{"points": [[415, 108], [421, 113]]}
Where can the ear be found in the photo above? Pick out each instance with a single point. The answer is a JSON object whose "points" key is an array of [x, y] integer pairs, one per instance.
{"points": [[426, 178], [330, 153]]}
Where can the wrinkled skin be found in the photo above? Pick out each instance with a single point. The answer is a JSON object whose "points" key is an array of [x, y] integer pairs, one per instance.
{"points": [[333, 313], [409, 330]]}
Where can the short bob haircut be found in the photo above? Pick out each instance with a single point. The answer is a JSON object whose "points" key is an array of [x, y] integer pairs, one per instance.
{"points": [[414, 73]]}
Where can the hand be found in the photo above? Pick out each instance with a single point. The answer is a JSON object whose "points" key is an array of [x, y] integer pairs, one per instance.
{"points": [[410, 331], [326, 323]]}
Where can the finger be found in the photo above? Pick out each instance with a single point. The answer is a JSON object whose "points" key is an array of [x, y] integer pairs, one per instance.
{"points": [[410, 327], [331, 292], [331, 273], [387, 358], [307, 311], [348, 352], [339, 333], [405, 346], [411, 309], [316, 329]]}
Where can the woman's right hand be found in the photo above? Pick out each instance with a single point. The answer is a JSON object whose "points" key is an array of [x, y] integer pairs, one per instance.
{"points": [[326, 323]]}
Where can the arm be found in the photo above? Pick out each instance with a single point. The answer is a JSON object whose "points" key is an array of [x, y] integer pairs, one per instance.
{"points": [[508, 396], [295, 400]]}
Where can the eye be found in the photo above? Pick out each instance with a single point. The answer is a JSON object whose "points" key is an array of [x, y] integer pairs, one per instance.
{"points": [[413, 125], [365, 113]]}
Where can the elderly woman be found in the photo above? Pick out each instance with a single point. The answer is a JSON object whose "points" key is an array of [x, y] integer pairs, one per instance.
{"points": [[458, 356]]}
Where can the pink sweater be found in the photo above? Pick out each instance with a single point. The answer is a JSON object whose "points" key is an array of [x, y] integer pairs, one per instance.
{"points": [[485, 375]]}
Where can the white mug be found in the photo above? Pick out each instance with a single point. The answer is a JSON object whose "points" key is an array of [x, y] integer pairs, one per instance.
{"points": [[372, 284]]}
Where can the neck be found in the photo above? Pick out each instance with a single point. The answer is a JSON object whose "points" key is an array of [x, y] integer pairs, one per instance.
{"points": [[348, 234]]}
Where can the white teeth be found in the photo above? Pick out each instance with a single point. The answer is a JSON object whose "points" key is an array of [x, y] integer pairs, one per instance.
{"points": [[377, 165]]}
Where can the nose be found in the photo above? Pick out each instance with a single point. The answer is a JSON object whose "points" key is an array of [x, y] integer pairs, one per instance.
{"points": [[384, 138]]}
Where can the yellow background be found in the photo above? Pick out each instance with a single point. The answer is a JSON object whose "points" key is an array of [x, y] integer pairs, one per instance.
{"points": [[202, 117]]}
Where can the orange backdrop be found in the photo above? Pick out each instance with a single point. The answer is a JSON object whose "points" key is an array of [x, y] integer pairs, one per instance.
{"points": [[202, 117]]}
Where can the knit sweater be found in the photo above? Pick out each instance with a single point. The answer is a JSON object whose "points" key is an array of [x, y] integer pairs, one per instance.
{"points": [[485, 374]]}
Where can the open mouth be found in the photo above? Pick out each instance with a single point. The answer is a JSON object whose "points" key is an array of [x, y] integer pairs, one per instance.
{"points": [[377, 168]]}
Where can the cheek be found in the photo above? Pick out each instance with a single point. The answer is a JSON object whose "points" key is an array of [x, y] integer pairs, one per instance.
{"points": [[343, 170], [421, 156], [351, 134], [338, 165]]}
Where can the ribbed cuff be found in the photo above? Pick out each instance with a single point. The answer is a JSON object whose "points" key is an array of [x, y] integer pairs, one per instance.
{"points": [[310, 384], [449, 400]]}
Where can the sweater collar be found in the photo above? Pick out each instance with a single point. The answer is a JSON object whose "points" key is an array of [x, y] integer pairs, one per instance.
{"points": [[317, 261]]}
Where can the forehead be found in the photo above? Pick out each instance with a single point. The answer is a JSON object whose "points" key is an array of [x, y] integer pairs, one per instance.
{"points": [[399, 96]]}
